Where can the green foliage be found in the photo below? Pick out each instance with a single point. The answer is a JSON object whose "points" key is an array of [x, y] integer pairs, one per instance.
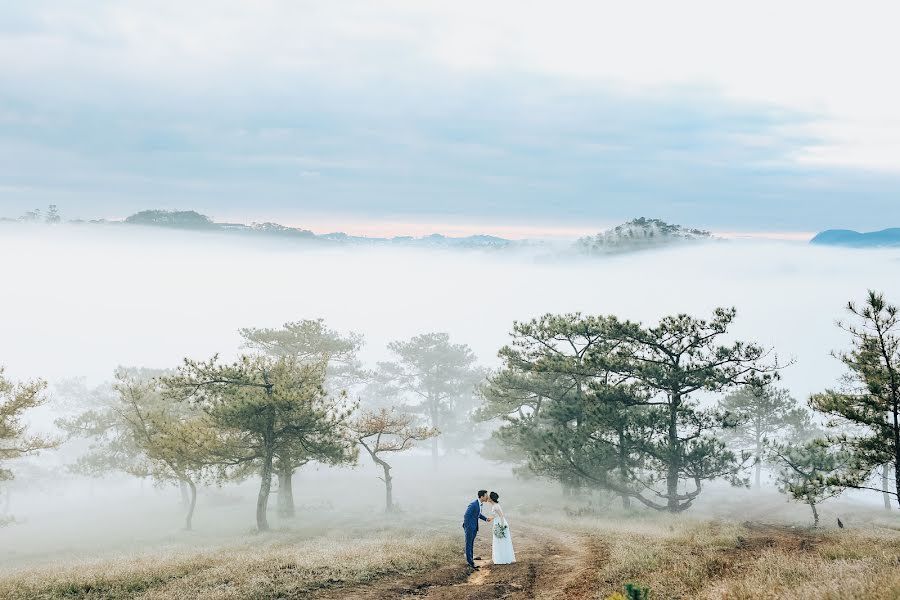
{"points": [[15, 400], [560, 416], [805, 469], [139, 431], [868, 402], [631, 591], [308, 342], [263, 407], [609, 403], [636, 592]]}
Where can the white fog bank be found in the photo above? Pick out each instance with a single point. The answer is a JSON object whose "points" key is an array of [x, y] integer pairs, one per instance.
{"points": [[78, 301]]}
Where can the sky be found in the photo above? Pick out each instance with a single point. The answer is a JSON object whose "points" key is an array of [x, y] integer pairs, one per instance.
{"points": [[516, 118]]}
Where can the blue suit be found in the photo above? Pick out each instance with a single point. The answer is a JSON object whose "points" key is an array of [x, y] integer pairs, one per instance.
{"points": [[470, 526]]}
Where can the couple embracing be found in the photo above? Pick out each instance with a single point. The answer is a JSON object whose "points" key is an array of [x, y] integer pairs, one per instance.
{"points": [[503, 553]]}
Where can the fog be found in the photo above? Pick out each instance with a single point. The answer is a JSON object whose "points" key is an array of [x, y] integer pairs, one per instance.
{"points": [[78, 301]]}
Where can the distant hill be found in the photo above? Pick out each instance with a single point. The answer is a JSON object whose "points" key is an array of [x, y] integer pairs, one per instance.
{"points": [[178, 219], [638, 234], [189, 219], [855, 239]]}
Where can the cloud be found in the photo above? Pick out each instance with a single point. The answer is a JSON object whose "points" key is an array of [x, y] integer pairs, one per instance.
{"points": [[494, 113]]}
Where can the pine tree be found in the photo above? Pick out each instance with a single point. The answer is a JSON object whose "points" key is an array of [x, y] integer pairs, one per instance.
{"points": [[561, 416], [437, 378], [15, 442], [309, 341], [616, 402], [140, 432], [263, 406], [869, 399], [671, 362], [760, 412], [806, 469]]}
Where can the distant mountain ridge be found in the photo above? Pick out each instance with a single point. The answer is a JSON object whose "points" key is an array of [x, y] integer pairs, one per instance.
{"points": [[855, 239], [193, 220], [635, 235]]}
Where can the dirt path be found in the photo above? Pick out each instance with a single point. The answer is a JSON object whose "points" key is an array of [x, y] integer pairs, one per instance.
{"points": [[550, 564]]}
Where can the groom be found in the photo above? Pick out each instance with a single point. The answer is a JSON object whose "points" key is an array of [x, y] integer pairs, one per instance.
{"points": [[470, 525]]}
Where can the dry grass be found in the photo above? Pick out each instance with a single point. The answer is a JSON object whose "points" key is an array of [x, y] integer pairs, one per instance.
{"points": [[273, 566], [676, 557], [686, 558]]}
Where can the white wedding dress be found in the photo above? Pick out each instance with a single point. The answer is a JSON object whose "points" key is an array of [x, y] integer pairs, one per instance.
{"points": [[503, 553]]}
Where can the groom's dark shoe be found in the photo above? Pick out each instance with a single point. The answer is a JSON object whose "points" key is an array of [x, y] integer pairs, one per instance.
{"points": [[475, 567], [477, 558]]}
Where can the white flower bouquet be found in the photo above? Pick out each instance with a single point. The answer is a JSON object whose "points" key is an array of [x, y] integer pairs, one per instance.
{"points": [[500, 530]]}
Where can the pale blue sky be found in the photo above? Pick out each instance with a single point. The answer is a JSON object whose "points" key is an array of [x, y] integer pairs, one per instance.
{"points": [[358, 118]]}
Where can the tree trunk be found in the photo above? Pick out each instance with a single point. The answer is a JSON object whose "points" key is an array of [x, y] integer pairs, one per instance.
{"points": [[886, 485], [434, 423], [388, 487], [265, 485], [897, 480], [674, 456], [623, 470], [758, 461], [185, 496], [189, 518], [815, 513], [286, 508]]}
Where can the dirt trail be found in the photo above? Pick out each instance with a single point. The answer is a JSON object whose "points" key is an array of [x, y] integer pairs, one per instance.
{"points": [[550, 564]]}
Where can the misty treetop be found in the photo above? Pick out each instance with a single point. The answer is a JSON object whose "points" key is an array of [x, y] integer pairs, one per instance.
{"points": [[312, 341], [760, 413], [639, 234], [437, 379]]}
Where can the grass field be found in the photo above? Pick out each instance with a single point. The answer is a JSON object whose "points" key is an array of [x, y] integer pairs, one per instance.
{"points": [[287, 565], [571, 557]]}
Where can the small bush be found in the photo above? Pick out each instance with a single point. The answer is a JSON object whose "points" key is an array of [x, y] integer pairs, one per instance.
{"points": [[632, 592]]}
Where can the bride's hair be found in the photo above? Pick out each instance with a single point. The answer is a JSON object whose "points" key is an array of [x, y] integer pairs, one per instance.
{"points": [[495, 497]]}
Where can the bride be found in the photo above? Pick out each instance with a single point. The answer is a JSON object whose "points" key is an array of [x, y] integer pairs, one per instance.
{"points": [[503, 553]]}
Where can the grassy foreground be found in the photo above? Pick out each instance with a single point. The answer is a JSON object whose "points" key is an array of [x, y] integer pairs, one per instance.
{"points": [[674, 557], [271, 566], [751, 561]]}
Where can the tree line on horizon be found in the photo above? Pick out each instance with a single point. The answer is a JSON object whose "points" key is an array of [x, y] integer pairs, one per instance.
{"points": [[635, 235], [592, 402]]}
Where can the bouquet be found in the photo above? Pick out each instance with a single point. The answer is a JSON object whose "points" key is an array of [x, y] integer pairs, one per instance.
{"points": [[500, 530]]}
